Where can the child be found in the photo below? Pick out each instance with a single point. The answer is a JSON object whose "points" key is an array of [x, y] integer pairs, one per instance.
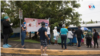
{"points": [[82, 41]]}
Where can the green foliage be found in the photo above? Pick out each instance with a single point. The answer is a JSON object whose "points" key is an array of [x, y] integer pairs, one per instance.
{"points": [[90, 22], [3, 9], [57, 11], [83, 22], [96, 22]]}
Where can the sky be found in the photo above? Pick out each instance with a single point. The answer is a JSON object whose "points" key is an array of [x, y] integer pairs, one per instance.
{"points": [[88, 14]]}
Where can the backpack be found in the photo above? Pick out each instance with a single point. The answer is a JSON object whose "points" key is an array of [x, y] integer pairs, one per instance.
{"points": [[89, 36]]}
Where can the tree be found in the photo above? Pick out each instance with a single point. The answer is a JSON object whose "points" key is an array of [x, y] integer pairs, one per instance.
{"points": [[96, 22], [4, 6], [90, 22], [83, 22], [56, 10]]}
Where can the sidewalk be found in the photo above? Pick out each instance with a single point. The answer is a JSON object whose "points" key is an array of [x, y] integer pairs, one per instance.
{"points": [[37, 46]]}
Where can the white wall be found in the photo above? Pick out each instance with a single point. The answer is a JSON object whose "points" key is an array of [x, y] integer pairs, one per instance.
{"points": [[16, 30]]}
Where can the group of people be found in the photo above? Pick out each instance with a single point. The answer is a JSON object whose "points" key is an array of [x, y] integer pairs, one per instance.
{"points": [[76, 37], [44, 33]]}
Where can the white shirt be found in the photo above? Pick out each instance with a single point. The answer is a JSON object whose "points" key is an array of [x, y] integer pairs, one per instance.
{"points": [[55, 32], [48, 30], [69, 34]]}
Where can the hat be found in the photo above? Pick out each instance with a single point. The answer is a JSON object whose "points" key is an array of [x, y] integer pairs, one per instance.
{"points": [[6, 17], [55, 27]]}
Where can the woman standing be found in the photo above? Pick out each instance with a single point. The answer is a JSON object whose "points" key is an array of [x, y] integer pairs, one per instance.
{"points": [[95, 37], [23, 34], [55, 34], [63, 32], [70, 36]]}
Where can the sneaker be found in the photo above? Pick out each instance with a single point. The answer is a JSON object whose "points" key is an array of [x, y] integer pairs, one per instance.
{"points": [[5, 46], [8, 45]]}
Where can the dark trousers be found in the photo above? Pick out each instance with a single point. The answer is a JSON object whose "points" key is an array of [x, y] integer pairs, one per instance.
{"points": [[63, 39], [79, 41], [95, 42], [6, 36], [49, 40], [89, 42]]}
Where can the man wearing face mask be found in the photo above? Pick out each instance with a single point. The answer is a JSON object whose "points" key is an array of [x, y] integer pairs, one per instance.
{"points": [[6, 31]]}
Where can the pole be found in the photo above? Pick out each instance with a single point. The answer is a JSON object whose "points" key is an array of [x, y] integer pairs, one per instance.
{"points": [[20, 28], [20, 23]]}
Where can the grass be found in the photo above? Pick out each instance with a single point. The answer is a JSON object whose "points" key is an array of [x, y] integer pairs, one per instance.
{"points": [[26, 40]]}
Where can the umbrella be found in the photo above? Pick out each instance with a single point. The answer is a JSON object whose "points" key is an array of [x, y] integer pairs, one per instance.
{"points": [[84, 28]]}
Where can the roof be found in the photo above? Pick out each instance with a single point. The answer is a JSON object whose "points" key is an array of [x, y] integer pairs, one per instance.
{"points": [[86, 25]]}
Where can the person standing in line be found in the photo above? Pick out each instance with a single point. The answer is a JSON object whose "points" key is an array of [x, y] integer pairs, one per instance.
{"points": [[63, 32], [55, 34], [89, 38], [43, 38], [6, 31], [74, 37], [79, 32], [95, 38], [70, 36], [23, 33], [48, 32]]}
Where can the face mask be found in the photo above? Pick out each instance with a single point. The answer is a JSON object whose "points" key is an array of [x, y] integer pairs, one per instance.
{"points": [[24, 22]]}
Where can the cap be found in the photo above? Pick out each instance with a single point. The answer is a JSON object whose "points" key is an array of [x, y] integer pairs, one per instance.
{"points": [[6, 17]]}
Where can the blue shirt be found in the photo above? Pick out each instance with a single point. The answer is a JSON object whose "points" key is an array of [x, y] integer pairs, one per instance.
{"points": [[42, 31], [23, 27], [64, 31]]}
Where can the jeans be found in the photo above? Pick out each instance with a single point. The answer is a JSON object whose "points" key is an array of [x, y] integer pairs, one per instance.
{"points": [[49, 37], [70, 41], [79, 41], [63, 39], [23, 35], [6, 36], [95, 42]]}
